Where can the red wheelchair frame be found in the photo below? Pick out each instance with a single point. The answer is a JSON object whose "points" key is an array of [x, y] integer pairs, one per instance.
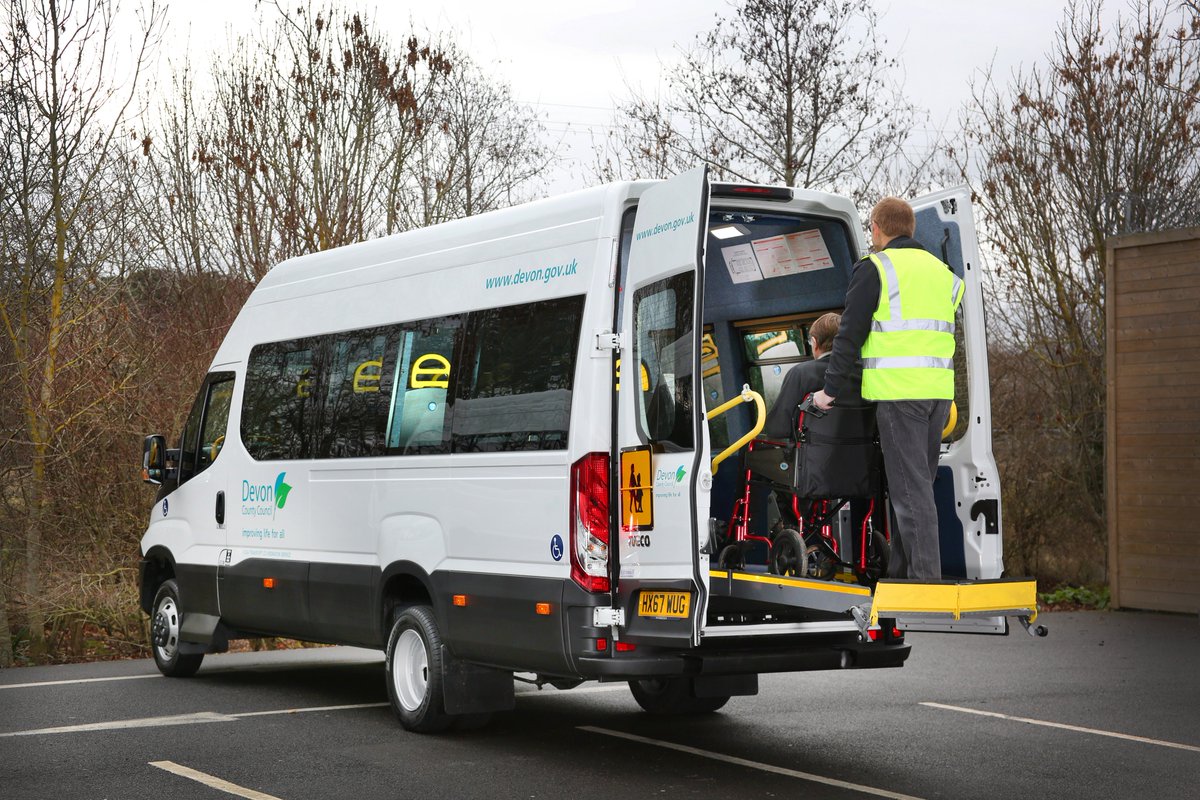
{"points": [[812, 550]]}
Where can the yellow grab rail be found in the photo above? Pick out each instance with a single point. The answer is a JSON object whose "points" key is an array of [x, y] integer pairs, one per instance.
{"points": [[748, 395]]}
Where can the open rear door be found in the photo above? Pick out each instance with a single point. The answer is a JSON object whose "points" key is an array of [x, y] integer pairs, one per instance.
{"points": [[661, 453], [968, 486], [967, 490]]}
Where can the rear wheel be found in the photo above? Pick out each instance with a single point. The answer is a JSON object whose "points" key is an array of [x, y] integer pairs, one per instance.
{"points": [[165, 629], [673, 695], [730, 557], [878, 556], [414, 671]]}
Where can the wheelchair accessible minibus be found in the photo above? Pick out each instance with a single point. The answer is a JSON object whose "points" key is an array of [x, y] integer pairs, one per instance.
{"points": [[510, 445]]}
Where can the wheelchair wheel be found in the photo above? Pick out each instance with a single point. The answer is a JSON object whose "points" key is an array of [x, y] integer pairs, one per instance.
{"points": [[878, 555], [821, 563], [730, 557], [788, 555]]}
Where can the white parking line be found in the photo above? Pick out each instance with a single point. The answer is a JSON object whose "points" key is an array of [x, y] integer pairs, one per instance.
{"points": [[1063, 726], [123, 724], [180, 719], [741, 762], [78, 680], [212, 781], [306, 710]]}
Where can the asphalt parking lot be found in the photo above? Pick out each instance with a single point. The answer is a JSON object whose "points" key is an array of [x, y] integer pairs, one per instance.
{"points": [[1106, 706]]}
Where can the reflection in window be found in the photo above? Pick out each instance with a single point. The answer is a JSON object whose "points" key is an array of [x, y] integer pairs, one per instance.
{"points": [[216, 419], [771, 351], [714, 392], [280, 400], [514, 391], [354, 411], [204, 432], [391, 390], [424, 358], [662, 313]]}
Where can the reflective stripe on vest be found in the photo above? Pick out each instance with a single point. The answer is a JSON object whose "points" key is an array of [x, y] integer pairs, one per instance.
{"points": [[912, 358]]}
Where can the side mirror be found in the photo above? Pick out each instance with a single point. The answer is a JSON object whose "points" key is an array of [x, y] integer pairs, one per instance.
{"points": [[154, 458]]}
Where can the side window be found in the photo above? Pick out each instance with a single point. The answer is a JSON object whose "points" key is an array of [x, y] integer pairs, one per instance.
{"points": [[204, 433], [423, 363], [962, 394], [354, 413], [663, 332], [771, 350], [714, 391], [514, 391], [282, 390]]}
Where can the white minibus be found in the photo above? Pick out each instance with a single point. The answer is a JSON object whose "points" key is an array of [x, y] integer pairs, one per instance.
{"points": [[483, 447]]}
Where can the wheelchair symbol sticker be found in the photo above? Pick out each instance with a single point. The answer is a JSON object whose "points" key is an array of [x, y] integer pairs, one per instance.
{"points": [[556, 547]]}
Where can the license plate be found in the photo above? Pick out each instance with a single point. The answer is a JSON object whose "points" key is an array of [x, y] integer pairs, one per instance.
{"points": [[664, 604]]}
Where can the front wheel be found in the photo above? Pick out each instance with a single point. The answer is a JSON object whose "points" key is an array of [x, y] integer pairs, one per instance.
{"points": [[789, 556], [414, 671], [164, 634], [673, 696]]}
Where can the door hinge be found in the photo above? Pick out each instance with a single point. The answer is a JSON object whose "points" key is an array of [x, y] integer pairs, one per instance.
{"points": [[608, 617], [607, 340]]}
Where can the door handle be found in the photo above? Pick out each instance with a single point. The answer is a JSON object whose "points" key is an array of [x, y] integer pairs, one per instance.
{"points": [[221, 508]]}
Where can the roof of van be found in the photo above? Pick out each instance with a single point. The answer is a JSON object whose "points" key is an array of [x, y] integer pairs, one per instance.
{"points": [[513, 221]]}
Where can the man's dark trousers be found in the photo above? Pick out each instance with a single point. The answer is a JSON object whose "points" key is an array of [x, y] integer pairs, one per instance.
{"points": [[910, 432]]}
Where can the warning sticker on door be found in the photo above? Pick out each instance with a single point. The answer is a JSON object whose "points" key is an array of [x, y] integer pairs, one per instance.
{"points": [[637, 495]]}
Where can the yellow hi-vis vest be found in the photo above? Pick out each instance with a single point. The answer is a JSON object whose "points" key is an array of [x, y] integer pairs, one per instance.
{"points": [[909, 353]]}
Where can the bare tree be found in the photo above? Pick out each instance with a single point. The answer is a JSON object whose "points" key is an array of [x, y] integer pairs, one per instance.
{"points": [[1102, 140], [61, 123], [306, 126], [481, 151], [797, 92]]}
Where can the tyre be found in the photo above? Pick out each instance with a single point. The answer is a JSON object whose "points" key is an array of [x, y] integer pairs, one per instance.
{"points": [[164, 634], [878, 556], [414, 671], [673, 696], [730, 557], [821, 564], [788, 554]]}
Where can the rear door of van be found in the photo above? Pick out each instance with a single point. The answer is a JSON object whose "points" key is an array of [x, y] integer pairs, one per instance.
{"points": [[661, 454], [967, 488]]}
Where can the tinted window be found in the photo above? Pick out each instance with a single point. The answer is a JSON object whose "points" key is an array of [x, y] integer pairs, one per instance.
{"points": [[663, 330], [354, 409], [771, 351], [424, 364], [514, 390], [281, 397], [204, 433]]}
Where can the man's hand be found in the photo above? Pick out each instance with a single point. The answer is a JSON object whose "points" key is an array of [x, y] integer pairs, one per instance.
{"points": [[822, 400]]}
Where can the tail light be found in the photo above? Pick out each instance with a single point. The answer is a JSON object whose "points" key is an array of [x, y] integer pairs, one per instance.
{"points": [[589, 522]]}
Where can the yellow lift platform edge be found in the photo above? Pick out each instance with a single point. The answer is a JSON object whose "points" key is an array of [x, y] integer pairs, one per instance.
{"points": [[1007, 597]]}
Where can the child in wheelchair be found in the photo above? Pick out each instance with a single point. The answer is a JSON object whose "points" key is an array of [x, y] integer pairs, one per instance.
{"points": [[832, 462], [812, 464]]}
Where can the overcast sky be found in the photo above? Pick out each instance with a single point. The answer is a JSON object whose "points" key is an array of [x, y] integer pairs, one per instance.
{"points": [[574, 61]]}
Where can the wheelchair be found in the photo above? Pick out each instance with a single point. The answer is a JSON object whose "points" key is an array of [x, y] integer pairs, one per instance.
{"points": [[833, 461]]}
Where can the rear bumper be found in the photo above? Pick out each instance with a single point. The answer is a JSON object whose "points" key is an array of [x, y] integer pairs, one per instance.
{"points": [[702, 661]]}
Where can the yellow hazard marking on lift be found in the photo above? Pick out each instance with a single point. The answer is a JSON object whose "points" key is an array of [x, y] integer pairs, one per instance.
{"points": [[799, 583], [1012, 598]]}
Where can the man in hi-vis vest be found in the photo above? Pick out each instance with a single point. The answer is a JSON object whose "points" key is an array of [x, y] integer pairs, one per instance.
{"points": [[900, 317]]}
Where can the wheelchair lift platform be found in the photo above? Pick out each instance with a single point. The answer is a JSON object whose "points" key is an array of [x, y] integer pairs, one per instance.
{"points": [[942, 605]]}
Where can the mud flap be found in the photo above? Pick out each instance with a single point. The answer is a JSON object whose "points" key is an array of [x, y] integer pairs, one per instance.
{"points": [[471, 689]]}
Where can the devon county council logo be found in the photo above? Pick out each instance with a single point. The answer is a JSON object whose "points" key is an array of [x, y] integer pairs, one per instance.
{"points": [[679, 474], [281, 490]]}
